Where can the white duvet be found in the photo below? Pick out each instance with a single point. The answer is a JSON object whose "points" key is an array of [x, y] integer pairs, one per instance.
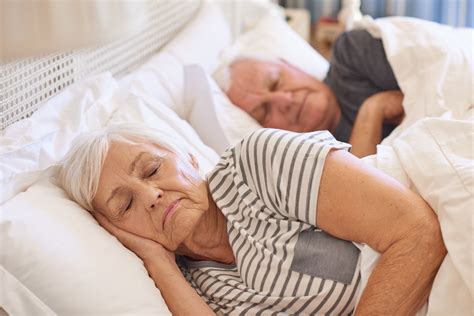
{"points": [[432, 150]]}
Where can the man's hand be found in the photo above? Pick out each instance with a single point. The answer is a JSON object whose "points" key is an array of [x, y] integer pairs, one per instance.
{"points": [[390, 103], [383, 107]]}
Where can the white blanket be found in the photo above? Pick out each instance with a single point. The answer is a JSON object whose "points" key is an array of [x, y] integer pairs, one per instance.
{"points": [[432, 150]]}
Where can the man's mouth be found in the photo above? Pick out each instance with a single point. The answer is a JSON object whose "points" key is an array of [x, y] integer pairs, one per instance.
{"points": [[300, 110], [170, 210]]}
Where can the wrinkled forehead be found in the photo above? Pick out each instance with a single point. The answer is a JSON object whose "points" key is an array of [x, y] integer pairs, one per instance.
{"points": [[253, 73], [125, 146], [125, 151]]}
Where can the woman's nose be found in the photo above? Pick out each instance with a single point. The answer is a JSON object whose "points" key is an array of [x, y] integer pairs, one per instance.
{"points": [[281, 101], [152, 197]]}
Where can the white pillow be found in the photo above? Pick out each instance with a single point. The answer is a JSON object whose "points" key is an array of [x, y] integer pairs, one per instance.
{"points": [[17, 299], [62, 256], [219, 123], [149, 111], [30, 146], [202, 41], [161, 77], [274, 38], [59, 252]]}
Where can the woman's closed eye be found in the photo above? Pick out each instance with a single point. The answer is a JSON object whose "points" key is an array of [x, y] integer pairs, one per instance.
{"points": [[129, 205], [152, 173], [153, 170], [125, 205]]}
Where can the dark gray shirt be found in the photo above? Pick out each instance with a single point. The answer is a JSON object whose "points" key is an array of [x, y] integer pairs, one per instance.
{"points": [[359, 68]]}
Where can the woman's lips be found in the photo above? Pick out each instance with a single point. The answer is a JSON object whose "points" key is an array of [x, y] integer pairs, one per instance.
{"points": [[170, 210]]}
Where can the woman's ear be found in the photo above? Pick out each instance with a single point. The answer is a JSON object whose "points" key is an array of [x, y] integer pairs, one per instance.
{"points": [[193, 160]]}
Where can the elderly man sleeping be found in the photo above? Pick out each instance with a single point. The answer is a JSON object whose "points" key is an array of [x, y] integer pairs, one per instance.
{"points": [[359, 101], [276, 226]]}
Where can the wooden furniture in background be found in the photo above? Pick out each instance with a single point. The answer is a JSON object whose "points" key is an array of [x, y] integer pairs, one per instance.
{"points": [[299, 20], [324, 34]]}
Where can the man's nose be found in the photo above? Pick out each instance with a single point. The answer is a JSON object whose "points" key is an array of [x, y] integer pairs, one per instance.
{"points": [[281, 101]]}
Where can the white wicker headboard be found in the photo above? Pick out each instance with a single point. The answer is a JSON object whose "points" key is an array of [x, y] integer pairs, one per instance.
{"points": [[25, 84]]}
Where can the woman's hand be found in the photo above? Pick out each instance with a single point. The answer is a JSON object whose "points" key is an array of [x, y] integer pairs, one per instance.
{"points": [[145, 248], [161, 266]]}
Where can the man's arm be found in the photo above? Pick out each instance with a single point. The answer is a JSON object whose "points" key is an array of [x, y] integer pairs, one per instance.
{"points": [[381, 108], [378, 211]]}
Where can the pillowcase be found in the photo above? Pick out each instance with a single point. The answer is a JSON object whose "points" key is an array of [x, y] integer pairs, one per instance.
{"points": [[17, 299], [219, 123], [273, 38], [135, 108], [30, 146], [161, 77], [59, 252], [202, 41], [61, 259]]}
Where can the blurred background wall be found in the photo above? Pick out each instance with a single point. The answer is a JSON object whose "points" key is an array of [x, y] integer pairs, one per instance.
{"points": [[452, 12]]}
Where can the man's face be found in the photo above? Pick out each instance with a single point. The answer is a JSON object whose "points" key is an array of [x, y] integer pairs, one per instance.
{"points": [[282, 96]]}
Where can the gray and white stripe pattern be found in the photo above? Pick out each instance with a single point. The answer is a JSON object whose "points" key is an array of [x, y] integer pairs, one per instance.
{"points": [[267, 187]]}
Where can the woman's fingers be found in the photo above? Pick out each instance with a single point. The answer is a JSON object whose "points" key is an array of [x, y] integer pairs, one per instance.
{"points": [[104, 222], [143, 247], [133, 242]]}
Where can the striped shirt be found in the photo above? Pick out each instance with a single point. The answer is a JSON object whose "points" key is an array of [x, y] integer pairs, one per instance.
{"points": [[267, 187]]}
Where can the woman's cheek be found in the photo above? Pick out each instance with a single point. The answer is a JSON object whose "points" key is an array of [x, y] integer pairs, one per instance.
{"points": [[142, 226]]}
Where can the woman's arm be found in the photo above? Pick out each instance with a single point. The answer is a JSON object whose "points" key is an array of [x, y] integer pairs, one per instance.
{"points": [[179, 296], [359, 203]]}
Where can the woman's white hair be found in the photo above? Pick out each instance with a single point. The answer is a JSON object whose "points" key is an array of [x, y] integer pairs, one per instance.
{"points": [[222, 75], [80, 171]]}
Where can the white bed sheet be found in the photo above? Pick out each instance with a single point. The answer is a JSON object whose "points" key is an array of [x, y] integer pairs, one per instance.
{"points": [[432, 150]]}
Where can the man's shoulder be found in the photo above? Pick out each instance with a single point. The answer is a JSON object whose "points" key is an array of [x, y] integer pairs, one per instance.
{"points": [[352, 48]]}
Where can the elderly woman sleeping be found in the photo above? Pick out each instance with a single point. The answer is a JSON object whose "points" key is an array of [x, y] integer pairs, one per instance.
{"points": [[276, 227]]}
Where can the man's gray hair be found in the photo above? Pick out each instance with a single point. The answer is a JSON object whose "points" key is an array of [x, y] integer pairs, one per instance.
{"points": [[223, 74], [80, 171]]}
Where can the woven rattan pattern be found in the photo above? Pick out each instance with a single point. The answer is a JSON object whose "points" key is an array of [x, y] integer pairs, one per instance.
{"points": [[26, 84]]}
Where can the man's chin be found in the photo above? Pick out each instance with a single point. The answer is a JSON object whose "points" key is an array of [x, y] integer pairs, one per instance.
{"points": [[303, 129]]}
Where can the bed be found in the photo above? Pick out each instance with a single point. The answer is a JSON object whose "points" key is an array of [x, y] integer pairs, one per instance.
{"points": [[55, 259]]}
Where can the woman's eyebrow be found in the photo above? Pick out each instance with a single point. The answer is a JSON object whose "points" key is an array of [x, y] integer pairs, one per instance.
{"points": [[112, 195], [131, 170], [133, 165], [270, 77]]}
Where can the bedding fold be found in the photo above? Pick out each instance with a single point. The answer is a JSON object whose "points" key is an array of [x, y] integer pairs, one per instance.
{"points": [[432, 149]]}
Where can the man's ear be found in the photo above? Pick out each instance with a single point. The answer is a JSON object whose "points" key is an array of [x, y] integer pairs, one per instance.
{"points": [[193, 160]]}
